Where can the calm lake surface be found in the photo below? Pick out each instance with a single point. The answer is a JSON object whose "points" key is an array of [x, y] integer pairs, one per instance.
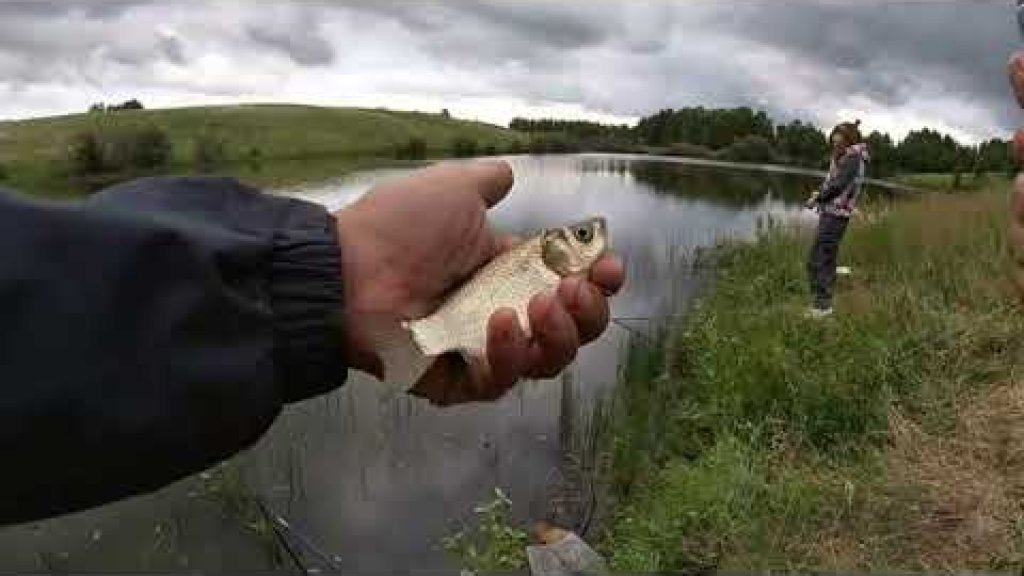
{"points": [[379, 480]]}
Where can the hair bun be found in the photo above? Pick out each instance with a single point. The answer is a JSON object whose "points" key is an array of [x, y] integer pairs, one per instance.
{"points": [[857, 122]]}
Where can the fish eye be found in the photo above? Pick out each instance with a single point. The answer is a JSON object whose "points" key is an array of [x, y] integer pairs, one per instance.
{"points": [[584, 235]]}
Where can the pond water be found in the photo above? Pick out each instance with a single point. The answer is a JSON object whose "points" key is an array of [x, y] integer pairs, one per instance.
{"points": [[379, 480]]}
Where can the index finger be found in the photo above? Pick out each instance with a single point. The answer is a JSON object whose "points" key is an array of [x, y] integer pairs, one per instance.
{"points": [[608, 274]]}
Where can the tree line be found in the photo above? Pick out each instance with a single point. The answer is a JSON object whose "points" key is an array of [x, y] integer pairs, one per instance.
{"points": [[133, 104], [744, 134]]}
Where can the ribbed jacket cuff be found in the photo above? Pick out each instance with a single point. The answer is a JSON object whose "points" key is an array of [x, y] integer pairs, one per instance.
{"points": [[306, 294]]}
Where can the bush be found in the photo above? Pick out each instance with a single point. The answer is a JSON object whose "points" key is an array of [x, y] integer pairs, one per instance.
{"points": [[3, 173], [688, 150], [552, 144], [208, 152], [132, 104], [98, 151], [463, 147], [100, 107], [85, 154], [515, 147], [491, 150], [255, 158], [150, 148], [749, 149], [412, 149]]}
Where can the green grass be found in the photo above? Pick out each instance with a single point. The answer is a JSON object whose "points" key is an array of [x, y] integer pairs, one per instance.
{"points": [[851, 443], [32, 152], [947, 181]]}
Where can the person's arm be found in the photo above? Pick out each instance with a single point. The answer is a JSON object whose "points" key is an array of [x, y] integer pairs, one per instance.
{"points": [[849, 165], [153, 330]]}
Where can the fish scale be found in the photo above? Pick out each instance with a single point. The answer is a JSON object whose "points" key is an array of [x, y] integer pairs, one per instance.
{"points": [[461, 322]]}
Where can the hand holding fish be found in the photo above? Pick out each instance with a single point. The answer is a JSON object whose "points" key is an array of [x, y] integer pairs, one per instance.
{"points": [[407, 244]]}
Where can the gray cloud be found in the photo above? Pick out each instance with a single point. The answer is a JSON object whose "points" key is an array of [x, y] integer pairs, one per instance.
{"points": [[886, 49], [300, 38], [89, 8], [172, 49], [938, 62]]}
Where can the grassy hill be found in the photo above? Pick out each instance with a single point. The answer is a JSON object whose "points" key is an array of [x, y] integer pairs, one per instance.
{"points": [[33, 153]]}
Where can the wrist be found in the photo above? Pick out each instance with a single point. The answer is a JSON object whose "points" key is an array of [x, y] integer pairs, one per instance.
{"points": [[355, 283]]}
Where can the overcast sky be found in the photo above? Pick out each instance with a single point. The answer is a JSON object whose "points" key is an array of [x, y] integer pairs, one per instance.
{"points": [[895, 65]]}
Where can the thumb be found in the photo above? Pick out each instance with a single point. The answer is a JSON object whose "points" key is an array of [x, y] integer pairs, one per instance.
{"points": [[492, 180]]}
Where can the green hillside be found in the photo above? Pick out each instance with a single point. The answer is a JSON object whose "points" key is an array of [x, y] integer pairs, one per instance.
{"points": [[33, 153]]}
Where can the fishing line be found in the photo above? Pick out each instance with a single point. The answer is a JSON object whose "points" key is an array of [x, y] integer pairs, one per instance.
{"points": [[619, 322]]}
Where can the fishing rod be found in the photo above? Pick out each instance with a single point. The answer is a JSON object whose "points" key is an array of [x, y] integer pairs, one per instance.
{"points": [[618, 322], [292, 553], [282, 528]]}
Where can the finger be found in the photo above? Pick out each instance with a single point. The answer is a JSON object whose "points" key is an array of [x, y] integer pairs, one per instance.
{"points": [[489, 179], [507, 347], [453, 379], [508, 352], [1015, 70], [555, 337], [587, 306], [1018, 147], [1017, 243], [508, 241], [1016, 232], [444, 382], [493, 180], [1017, 199], [608, 274]]}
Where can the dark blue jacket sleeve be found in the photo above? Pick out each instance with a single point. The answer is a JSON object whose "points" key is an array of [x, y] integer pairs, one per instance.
{"points": [[153, 330]]}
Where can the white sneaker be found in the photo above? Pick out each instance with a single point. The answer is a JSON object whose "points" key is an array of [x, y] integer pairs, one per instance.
{"points": [[844, 270], [818, 313]]}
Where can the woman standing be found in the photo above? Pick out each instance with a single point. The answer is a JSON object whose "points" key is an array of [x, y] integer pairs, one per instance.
{"points": [[835, 203]]}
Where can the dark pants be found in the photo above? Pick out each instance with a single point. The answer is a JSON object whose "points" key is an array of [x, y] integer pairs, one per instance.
{"points": [[821, 264]]}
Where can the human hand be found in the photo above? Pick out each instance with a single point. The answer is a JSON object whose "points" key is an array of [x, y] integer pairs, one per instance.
{"points": [[1016, 231], [812, 200], [409, 242]]}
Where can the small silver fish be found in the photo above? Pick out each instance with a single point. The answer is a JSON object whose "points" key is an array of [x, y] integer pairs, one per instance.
{"points": [[510, 280]]}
